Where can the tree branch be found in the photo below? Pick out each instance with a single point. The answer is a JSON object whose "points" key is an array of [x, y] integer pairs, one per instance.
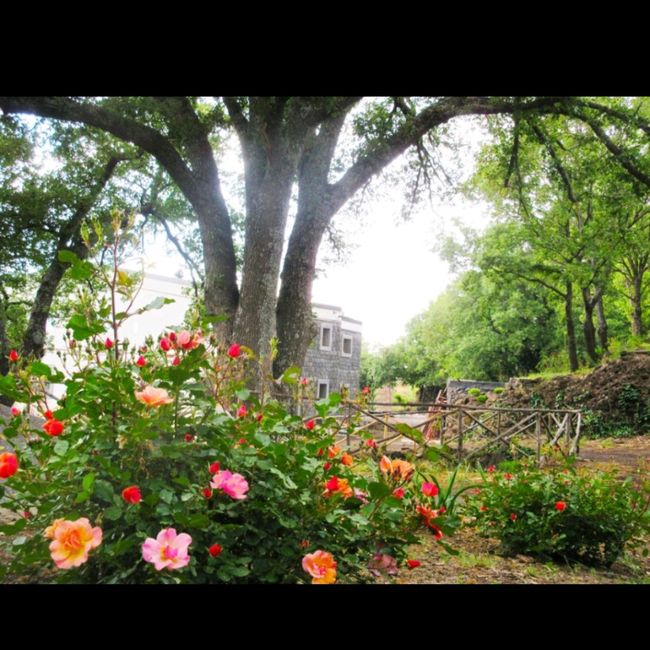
{"points": [[143, 136], [160, 216]]}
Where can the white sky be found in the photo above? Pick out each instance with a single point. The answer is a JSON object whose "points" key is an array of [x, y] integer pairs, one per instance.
{"points": [[391, 272]]}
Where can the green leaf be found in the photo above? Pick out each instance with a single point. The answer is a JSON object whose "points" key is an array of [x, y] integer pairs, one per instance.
{"points": [[82, 496], [88, 481], [409, 432], [243, 394], [61, 447], [378, 490], [157, 303], [291, 375], [104, 490], [38, 368], [68, 257], [262, 438], [82, 271], [81, 329], [112, 513], [239, 571], [199, 520], [334, 399], [167, 496], [19, 541]]}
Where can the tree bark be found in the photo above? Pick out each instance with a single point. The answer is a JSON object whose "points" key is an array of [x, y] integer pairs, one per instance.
{"points": [[636, 302], [294, 312], [570, 328], [69, 239], [603, 335], [588, 325]]}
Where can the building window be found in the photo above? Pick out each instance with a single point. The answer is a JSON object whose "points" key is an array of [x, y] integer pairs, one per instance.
{"points": [[325, 338], [347, 346], [323, 389]]}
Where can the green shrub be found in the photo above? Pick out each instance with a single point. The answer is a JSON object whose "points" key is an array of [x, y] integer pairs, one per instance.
{"points": [[474, 392], [498, 390], [560, 514], [481, 399], [133, 469]]}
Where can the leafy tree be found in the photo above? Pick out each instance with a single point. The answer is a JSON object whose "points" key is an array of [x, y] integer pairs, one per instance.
{"points": [[292, 142]]}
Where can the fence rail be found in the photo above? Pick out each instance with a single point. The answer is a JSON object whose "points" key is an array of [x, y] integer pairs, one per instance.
{"points": [[467, 431]]}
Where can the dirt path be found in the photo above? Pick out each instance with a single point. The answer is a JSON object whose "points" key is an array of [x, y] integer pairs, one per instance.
{"points": [[628, 453], [478, 562]]}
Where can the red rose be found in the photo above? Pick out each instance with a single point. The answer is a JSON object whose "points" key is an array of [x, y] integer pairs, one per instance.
{"points": [[176, 361], [53, 427], [215, 467], [398, 493], [242, 411], [14, 356], [8, 464], [513, 516], [491, 468], [189, 437], [15, 411], [215, 550], [413, 564], [309, 425], [108, 344], [132, 494], [366, 390], [333, 484], [165, 344], [172, 336], [234, 350], [207, 492], [48, 415], [259, 417], [371, 443], [327, 466], [141, 362], [560, 505]]}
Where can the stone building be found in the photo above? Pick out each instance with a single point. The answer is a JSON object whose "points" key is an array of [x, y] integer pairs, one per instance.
{"points": [[333, 358]]}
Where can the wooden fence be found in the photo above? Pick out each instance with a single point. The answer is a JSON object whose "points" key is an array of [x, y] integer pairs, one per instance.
{"points": [[464, 431]]}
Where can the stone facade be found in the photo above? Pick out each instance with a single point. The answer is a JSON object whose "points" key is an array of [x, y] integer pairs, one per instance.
{"points": [[333, 358]]}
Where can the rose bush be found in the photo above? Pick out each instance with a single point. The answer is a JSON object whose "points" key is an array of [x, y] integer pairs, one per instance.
{"points": [[587, 517], [159, 465]]}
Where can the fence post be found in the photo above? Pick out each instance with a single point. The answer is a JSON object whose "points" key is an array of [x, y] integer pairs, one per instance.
{"points": [[460, 434], [538, 433]]}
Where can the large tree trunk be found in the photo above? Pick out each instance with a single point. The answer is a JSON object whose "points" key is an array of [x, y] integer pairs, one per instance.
{"points": [[603, 336], [221, 291], [570, 328], [636, 303], [265, 225], [588, 325], [294, 313]]}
